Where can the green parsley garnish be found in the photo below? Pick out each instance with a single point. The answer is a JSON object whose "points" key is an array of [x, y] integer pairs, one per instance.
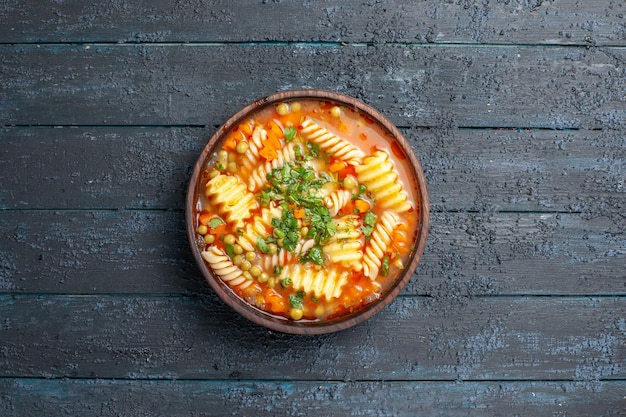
{"points": [[294, 186], [230, 251], [286, 282], [262, 245], [368, 224], [296, 300], [277, 269], [384, 268], [314, 255], [215, 222], [290, 133]]}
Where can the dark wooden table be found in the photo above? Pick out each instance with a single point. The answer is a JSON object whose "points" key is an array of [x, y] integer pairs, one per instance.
{"points": [[516, 109]]}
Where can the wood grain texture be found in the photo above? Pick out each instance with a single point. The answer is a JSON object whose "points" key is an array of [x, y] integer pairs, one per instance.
{"points": [[272, 398], [415, 338], [467, 254], [546, 87], [599, 22], [466, 169]]}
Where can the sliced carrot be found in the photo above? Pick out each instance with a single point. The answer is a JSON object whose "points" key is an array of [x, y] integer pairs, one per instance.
{"points": [[337, 166], [291, 119], [361, 205], [268, 153], [299, 213], [274, 301], [231, 143], [246, 128], [274, 131], [204, 217], [348, 208], [270, 146]]}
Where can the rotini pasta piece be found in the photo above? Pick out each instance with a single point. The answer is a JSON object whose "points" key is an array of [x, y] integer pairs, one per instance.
{"points": [[379, 242], [337, 200], [272, 211], [250, 234], [255, 143], [377, 173], [345, 247], [223, 266], [258, 177], [325, 282], [231, 199], [283, 257], [330, 143]]}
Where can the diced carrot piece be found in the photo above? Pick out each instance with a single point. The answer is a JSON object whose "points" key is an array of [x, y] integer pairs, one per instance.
{"points": [[231, 143], [274, 301], [337, 166], [246, 128], [361, 205], [204, 217], [291, 119], [273, 143], [299, 213], [268, 153]]}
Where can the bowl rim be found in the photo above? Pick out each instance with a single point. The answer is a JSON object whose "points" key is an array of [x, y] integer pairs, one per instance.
{"points": [[282, 324]]}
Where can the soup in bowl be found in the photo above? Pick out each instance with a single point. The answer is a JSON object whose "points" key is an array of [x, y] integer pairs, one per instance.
{"points": [[307, 212]]}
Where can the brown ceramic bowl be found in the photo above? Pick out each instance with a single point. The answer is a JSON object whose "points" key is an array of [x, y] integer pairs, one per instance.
{"points": [[309, 327]]}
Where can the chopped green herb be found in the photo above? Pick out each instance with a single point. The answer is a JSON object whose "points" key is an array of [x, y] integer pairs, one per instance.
{"points": [[314, 299], [368, 224], [290, 133], [286, 282], [262, 245], [215, 222], [295, 301], [314, 255], [277, 269], [384, 268], [230, 251]]}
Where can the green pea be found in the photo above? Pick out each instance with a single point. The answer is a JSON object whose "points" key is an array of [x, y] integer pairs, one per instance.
{"points": [[282, 109], [279, 234], [229, 239], [250, 256], [242, 147], [255, 271], [245, 265], [237, 249]]}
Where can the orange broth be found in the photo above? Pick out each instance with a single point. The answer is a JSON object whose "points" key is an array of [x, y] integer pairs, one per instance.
{"points": [[266, 292]]}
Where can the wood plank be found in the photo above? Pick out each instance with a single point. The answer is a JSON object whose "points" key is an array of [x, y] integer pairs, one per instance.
{"points": [[546, 87], [271, 398], [599, 22], [416, 338], [466, 169], [146, 252]]}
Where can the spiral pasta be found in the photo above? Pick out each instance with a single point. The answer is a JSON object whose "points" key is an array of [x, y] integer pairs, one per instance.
{"points": [[229, 195], [251, 157], [330, 143], [258, 177], [345, 246], [337, 200], [223, 266], [377, 173], [283, 257], [320, 282], [379, 242]]}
